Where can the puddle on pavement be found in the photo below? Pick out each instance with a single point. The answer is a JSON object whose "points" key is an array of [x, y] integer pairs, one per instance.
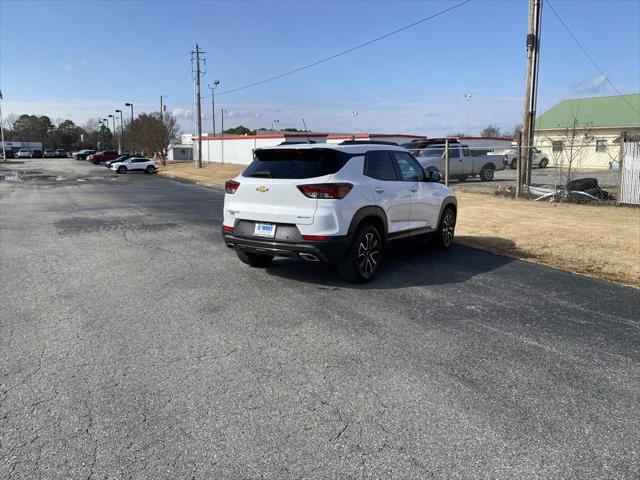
{"points": [[34, 175]]}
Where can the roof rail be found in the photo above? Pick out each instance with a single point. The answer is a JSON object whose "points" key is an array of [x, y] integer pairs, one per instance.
{"points": [[367, 142]]}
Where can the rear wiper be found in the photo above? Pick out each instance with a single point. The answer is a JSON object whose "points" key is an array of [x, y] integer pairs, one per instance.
{"points": [[261, 174]]}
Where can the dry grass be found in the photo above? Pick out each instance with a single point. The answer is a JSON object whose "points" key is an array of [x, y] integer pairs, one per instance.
{"points": [[600, 241]]}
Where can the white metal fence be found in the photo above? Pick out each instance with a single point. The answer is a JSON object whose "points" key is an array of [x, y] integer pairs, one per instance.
{"points": [[630, 174]]}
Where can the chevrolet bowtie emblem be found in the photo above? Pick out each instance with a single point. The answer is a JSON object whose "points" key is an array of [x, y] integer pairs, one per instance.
{"points": [[262, 189]]}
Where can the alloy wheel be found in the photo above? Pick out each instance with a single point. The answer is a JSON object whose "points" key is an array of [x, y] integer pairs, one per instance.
{"points": [[368, 254]]}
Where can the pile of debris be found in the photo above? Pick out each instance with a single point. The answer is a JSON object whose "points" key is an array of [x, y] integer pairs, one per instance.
{"points": [[580, 190]]}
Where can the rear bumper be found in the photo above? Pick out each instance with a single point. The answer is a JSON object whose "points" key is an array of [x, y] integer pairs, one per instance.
{"points": [[334, 249]]}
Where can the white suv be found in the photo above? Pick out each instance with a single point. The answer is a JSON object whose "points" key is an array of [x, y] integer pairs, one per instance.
{"points": [[134, 163], [338, 203]]}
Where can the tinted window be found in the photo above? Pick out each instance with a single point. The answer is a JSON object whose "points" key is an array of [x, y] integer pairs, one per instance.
{"points": [[410, 170], [378, 165], [466, 152], [454, 152], [295, 163], [435, 151]]}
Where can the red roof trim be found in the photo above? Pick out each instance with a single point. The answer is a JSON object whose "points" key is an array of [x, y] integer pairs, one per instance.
{"points": [[373, 135], [505, 139], [266, 135]]}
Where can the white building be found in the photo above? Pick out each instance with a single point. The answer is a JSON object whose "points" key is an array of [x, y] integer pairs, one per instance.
{"points": [[239, 148], [16, 145]]}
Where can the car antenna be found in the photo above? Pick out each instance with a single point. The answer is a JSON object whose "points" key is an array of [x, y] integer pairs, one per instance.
{"points": [[306, 130]]}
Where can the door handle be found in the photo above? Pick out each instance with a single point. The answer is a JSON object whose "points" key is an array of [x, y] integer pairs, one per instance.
{"points": [[379, 190]]}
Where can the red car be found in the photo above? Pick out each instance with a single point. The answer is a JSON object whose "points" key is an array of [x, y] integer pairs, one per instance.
{"points": [[103, 156]]}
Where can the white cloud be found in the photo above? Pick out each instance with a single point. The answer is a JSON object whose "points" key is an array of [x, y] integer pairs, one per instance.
{"points": [[182, 113], [595, 85], [67, 67]]}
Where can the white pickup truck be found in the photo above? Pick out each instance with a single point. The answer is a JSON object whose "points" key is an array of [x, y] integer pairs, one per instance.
{"points": [[462, 164], [510, 157]]}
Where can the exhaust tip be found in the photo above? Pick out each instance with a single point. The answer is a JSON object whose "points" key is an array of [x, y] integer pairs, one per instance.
{"points": [[309, 257]]}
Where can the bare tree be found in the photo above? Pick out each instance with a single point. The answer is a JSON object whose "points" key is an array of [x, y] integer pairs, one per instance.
{"points": [[490, 131], [568, 150], [151, 135]]}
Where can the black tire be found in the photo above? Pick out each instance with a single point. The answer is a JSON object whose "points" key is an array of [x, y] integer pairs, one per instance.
{"points": [[253, 259], [122, 169], [543, 163], [150, 169], [365, 255], [514, 164], [487, 173], [446, 229]]}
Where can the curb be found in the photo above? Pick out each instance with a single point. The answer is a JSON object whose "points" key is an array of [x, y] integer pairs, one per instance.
{"points": [[213, 186]]}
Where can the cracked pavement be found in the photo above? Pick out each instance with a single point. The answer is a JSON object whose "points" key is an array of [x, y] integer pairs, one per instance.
{"points": [[133, 344]]}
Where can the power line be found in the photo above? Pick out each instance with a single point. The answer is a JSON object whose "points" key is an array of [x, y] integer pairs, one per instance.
{"points": [[344, 52], [584, 50]]}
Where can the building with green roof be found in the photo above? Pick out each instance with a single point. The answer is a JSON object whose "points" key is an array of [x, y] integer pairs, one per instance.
{"points": [[588, 128]]}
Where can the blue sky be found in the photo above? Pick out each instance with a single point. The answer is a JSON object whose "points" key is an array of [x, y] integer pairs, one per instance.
{"points": [[84, 59]]}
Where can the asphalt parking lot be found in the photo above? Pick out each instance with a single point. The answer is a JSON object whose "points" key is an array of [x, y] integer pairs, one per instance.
{"points": [[133, 344]]}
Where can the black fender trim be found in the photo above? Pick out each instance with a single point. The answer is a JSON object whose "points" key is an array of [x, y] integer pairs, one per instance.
{"points": [[365, 212], [450, 200]]}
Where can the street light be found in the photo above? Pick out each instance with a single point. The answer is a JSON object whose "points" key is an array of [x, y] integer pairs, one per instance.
{"points": [[274, 124], [113, 122], [130, 105], [120, 139], [213, 104], [467, 96]]}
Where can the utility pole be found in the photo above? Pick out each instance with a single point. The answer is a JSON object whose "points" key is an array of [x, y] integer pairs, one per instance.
{"points": [[4, 150], [467, 97], [161, 109], [197, 76], [446, 162], [213, 105], [531, 93], [222, 135]]}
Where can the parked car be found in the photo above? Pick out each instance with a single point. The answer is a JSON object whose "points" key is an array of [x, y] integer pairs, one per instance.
{"points": [[146, 165], [121, 158], [49, 153], [10, 153], [61, 153], [103, 156], [510, 155], [83, 154], [339, 204], [24, 153], [36, 153], [462, 164]]}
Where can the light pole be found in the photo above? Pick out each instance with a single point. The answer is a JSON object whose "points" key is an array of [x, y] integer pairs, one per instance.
{"points": [[213, 104], [130, 105], [113, 122], [120, 139], [274, 124], [467, 96]]}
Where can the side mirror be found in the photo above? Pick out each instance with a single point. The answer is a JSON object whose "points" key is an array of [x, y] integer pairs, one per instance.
{"points": [[434, 176]]}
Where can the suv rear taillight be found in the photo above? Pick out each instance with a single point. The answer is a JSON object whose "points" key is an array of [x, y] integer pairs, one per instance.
{"points": [[230, 186], [326, 190]]}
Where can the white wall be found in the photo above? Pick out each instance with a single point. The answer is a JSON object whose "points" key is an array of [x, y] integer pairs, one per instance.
{"points": [[240, 149]]}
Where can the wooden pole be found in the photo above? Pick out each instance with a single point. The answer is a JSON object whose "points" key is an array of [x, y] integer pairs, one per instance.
{"points": [[446, 162]]}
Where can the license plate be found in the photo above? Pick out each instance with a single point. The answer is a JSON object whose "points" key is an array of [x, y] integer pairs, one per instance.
{"points": [[264, 230]]}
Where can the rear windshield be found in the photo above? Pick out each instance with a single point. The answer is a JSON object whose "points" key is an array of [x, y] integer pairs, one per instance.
{"points": [[433, 151], [295, 163]]}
